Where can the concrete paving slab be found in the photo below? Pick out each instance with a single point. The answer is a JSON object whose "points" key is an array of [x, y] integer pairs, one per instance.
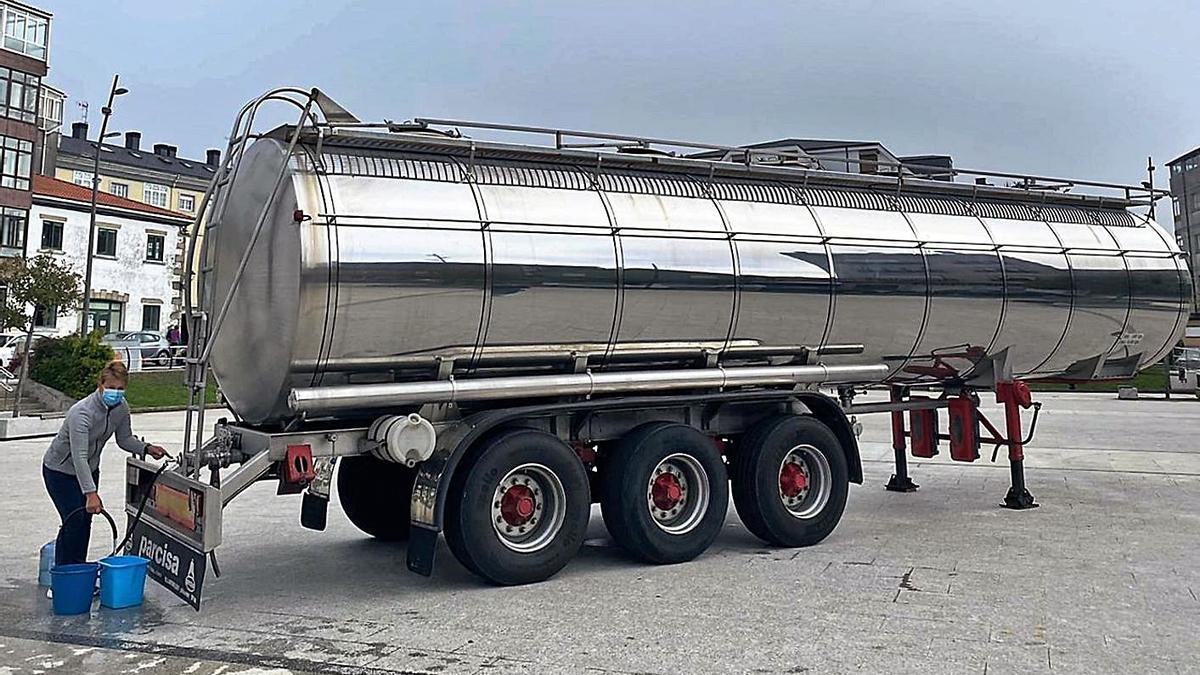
{"points": [[35, 656], [1102, 577]]}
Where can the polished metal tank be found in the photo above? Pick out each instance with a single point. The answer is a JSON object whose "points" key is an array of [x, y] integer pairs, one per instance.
{"points": [[411, 256]]}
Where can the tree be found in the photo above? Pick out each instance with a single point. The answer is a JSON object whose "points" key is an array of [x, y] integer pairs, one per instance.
{"points": [[35, 283]]}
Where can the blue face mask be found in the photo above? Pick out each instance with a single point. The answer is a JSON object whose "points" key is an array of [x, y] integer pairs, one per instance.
{"points": [[112, 397]]}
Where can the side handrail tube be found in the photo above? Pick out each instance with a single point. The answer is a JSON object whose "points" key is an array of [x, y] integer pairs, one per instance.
{"points": [[366, 396]]}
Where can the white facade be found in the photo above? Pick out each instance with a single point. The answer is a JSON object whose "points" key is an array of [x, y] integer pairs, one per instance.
{"points": [[133, 282]]}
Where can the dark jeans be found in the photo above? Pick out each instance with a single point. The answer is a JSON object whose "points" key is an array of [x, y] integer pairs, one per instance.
{"points": [[65, 493]]}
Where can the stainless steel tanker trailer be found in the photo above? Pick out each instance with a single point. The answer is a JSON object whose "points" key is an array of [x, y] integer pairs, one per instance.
{"points": [[484, 338]]}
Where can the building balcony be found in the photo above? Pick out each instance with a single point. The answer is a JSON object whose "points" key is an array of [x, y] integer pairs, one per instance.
{"points": [[26, 31]]}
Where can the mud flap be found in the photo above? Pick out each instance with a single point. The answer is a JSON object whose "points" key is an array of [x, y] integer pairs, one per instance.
{"points": [[177, 567], [314, 510], [422, 546]]}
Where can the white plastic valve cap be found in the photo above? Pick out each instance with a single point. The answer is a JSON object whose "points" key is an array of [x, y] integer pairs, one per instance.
{"points": [[404, 439]]}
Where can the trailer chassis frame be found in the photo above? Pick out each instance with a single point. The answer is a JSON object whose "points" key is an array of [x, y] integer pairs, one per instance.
{"points": [[1014, 395]]}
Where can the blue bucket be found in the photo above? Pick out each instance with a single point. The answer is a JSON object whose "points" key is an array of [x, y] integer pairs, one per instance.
{"points": [[122, 581], [73, 587]]}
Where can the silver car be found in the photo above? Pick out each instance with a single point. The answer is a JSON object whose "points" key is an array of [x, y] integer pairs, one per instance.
{"points": [[152, 346]]}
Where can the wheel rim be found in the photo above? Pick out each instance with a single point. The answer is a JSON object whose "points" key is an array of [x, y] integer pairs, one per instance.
{"points": [[677, 493], [805, 481], [528, 508]]}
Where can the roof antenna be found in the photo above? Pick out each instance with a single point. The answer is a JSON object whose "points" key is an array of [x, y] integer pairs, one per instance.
{"points": [[1150, 184]]}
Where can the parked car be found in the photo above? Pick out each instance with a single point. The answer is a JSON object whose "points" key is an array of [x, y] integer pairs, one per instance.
{"points": [[152, 346], [10, 344], [12, 348]]}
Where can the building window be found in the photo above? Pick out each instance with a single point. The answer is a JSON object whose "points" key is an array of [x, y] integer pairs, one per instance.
{"points": [[12, 227], [868, 161], [155, 243], [52, 231], [119, 189], [1175, 205], [156, 195], [19, 95], [52, 110], [1196, 202], [83, 178], [16, 163], [151, 314], [104, 316], [45, 317], [106, 242], [26, 33], [187, 203]]}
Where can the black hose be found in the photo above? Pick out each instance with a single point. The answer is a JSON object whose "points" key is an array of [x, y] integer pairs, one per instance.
{"points": [[111, 523]]}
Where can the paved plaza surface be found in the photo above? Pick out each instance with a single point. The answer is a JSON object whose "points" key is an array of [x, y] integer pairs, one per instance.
{"points": [[1104, 577]]}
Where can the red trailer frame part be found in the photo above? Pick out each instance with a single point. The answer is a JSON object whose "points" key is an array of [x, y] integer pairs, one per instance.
{"points": [[964, 437]]}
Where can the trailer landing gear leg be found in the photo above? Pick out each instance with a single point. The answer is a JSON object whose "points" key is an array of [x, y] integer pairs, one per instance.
{"points": [[900, 481], [1014, 396], [1018, 497]]}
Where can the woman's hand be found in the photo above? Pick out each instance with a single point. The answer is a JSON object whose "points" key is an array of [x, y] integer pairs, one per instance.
{"points": [[155, 451], [93, 504]]}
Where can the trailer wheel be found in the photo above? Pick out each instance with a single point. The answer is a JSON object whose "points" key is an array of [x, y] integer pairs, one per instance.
{"points": [[790, 481], [376, 495], [520, 510], [664, 493]]}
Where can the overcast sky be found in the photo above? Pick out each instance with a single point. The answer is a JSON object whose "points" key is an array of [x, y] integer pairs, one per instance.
{"points": [[1080, 88]]}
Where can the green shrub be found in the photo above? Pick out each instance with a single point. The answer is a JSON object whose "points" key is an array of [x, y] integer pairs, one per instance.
{"points": [[70, 364]]}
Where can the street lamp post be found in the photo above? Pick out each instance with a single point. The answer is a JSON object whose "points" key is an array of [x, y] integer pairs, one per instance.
{"points": [[106, 112]]}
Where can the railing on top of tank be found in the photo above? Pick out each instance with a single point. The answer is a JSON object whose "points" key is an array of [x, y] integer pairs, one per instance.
{"points": [[793, 156]]}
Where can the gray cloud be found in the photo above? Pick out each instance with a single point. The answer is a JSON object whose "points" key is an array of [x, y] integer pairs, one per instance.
{"points": [[1086, 89]]}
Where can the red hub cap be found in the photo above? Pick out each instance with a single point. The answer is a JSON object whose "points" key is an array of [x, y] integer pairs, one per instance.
{"points": [[792, 480], [517, 505], [666, 491]]}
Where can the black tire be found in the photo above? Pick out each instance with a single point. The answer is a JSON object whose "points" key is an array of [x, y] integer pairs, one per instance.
{"points": [[758, 493], [518, 556], [627, 491], [376, 495]]}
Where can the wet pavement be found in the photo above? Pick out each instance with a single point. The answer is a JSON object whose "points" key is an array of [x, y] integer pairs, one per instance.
{"points": [[1103, 577]]}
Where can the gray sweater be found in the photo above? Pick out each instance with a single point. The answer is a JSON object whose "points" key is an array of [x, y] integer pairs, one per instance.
{"points": [[76, 448]]}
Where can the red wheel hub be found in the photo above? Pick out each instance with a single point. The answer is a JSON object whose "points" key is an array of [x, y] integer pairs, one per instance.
{"points": [[792, 480], [517, 505], [666, 491]]}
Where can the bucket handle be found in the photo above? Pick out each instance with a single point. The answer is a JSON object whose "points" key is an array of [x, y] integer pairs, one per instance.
{"points": [[111, 523]]}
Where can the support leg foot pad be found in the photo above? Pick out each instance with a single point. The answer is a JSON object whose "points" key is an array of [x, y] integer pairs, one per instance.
{"points": [[901, 484], [1019, 500]]}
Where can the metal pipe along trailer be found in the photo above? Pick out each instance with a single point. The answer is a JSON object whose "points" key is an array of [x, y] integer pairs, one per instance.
{"points": [[484, 338]]}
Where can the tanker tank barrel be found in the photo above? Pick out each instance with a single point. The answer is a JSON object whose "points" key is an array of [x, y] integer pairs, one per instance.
{"points": [[527, 263], [315, 400]]}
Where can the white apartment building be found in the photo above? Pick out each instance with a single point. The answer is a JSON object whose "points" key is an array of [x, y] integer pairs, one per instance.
{"points": [[135, 279]]}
